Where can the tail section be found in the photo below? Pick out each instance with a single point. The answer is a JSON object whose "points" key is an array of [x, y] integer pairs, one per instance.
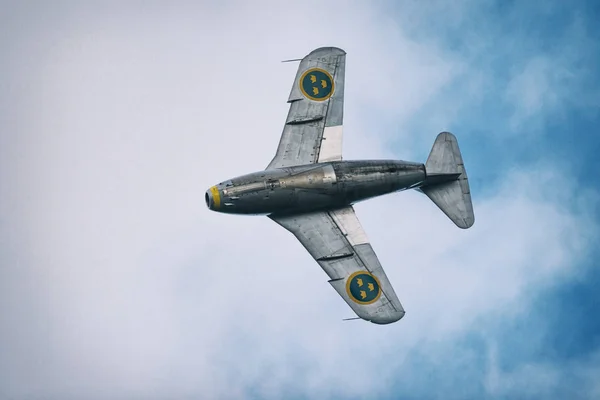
{"points": [[447, 184]]}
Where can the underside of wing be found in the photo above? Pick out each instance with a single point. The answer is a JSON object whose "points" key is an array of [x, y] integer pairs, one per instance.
{"points": [[339, 244], [313, 128]]}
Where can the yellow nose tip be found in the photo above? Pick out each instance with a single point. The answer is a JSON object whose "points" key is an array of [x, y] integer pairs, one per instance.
{"points": [[216, 197]]}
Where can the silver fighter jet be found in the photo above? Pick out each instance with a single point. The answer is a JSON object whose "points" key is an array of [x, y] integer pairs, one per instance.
{"points": [[309, 190]]}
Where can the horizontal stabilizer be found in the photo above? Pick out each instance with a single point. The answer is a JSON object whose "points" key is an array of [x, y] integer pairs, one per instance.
{"points": [[447, 184]]}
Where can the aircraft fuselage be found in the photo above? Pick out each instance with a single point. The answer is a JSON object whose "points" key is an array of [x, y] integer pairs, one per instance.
{"points": [[312, 187]]}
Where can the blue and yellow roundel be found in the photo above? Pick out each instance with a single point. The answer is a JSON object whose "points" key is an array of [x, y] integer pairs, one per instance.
{"points": [[363, 288], [316, 84]]}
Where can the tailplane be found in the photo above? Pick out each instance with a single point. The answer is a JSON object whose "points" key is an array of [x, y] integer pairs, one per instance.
{"points": [[447, 184]]}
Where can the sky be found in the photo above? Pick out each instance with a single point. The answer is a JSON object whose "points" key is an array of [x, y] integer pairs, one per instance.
{"points": [[116, 282]]}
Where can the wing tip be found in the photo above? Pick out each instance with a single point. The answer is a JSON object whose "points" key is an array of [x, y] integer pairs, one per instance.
{"points": [[331, 49], [388, 318]]}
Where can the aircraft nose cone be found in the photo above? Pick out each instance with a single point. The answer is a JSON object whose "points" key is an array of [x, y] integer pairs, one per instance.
{"points": [[213, 198]]}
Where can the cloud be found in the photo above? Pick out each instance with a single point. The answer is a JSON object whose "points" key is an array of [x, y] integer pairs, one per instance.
{"points": [[543, 84], [545, 379], [117, 282], [534, 89]]}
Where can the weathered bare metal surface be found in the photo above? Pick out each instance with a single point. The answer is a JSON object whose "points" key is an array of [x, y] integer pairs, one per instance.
{"points": [[349, 225], [331, 144], [309, 190], [302, 135], [312, 187], [454, 197], [339, 244]]}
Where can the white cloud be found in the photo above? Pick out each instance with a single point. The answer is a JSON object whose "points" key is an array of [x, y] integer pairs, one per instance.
{"points": [[121, 283]]}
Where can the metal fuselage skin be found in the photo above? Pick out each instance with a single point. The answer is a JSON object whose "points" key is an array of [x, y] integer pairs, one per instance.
{"points": [[313, 187]]}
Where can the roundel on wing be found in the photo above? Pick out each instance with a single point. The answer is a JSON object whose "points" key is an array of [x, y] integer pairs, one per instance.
{"points": [[316, 84], [363, 288]]}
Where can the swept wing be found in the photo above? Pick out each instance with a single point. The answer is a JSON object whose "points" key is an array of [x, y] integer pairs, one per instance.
{"points": [[313, 128], [337, 241], [313, 134]]}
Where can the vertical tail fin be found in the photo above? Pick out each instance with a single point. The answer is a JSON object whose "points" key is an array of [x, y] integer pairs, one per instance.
{"points": [[447, 184]]}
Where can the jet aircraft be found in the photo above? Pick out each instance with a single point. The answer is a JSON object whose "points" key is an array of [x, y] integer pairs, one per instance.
{"points": [[309, 190]]}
